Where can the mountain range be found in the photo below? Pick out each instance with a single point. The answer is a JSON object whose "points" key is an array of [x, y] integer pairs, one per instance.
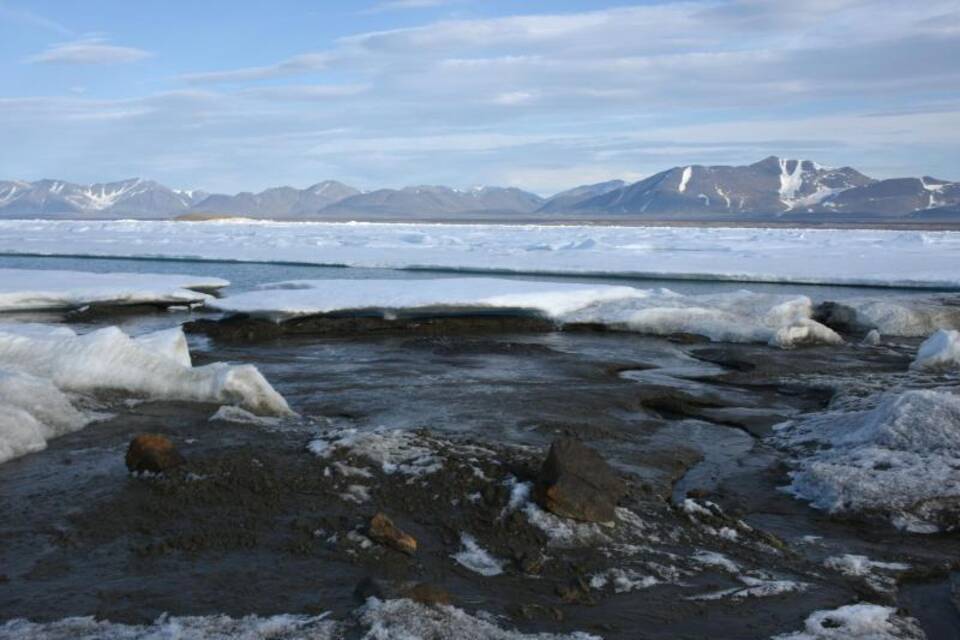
{"points": [[773, 188]]}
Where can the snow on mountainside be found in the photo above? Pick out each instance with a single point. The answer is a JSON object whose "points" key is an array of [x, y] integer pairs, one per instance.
{"points": [[772, 188]]}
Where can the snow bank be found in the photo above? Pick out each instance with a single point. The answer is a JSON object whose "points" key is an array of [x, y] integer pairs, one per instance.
{"points": [[939, 351], [900, 459], [40, 289], [857, 622], [741, 316], [875, 257], [40, 364]]}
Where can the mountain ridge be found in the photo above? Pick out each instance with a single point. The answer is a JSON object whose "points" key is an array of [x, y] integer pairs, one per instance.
{"points": [[770, 188]]}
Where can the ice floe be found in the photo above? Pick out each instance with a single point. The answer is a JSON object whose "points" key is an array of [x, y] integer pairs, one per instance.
{"points": [[874, 257], [857, 622], [41, 365], [900, 459], [740, 316], [42, 289]]}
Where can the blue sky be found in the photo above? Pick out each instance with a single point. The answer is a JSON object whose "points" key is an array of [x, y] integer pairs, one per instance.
{"points": [[232, 96]]}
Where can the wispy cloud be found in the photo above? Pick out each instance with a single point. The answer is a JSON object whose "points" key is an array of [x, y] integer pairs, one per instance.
{"points": [[89, 51], [303, 63], [32, 19]]}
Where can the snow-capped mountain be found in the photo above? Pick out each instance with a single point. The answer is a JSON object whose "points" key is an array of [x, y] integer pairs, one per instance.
{"points": [[134, 198], [773, 188]]}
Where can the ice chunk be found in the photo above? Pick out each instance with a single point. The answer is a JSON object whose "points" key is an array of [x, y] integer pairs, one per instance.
{"points": [[939, 351], [32, 411], [37, 289], [476, 558], [900, 459], [857, 622], [171, 343], [109, 360], [40, 365]]}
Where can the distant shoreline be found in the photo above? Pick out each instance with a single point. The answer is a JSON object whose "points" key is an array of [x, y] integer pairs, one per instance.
{"points": [[890, 225]]}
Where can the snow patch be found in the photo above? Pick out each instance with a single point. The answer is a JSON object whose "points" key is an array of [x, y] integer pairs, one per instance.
{"points": [[685, 179], [477, 559], [857, 622], [900, 459]]}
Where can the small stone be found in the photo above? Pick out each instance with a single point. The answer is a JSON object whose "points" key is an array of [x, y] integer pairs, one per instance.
{"points": [[385, 532], [152, 452], [575, 482]]}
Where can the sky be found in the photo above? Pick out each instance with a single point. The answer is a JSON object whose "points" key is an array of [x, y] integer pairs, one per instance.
{"points": [[233, 95]]}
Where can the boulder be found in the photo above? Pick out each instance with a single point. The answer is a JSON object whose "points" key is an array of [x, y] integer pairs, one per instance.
{"points": [[383, 530], [152, 452], [575, 482]]}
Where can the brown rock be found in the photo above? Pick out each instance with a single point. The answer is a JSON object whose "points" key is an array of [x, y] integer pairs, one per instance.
{"points": [[383, 530], [152, 452], [427, 594], [575, 482]]}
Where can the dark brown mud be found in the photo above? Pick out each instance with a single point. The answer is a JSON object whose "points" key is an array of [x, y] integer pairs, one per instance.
{"points": [[256, 522]]}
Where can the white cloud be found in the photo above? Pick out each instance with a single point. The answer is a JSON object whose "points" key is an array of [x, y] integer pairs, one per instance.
{"points": [[89, 51], [29, 18], [303, 63]]}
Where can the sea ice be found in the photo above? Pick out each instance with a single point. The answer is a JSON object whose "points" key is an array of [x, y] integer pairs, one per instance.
{"points": [[740, 316], [926, 259], [40, 289]]}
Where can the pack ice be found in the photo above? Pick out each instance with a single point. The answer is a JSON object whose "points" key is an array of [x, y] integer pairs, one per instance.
{"points": [[43, 368]]}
